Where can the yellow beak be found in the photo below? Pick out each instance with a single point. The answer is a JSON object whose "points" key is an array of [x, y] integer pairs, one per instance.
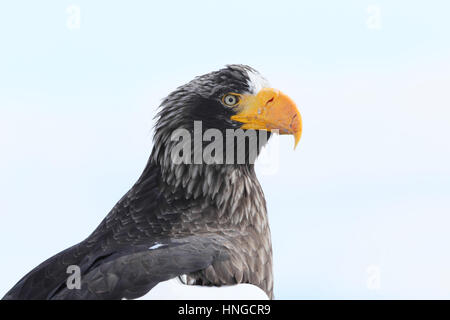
{"points": [[270, 110]]}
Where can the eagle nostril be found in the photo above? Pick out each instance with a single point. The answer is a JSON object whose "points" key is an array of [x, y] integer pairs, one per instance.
{"points": [[270, 100]]}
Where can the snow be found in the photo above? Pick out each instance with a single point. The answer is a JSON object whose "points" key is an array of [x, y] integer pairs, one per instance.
{"points": [[174, 289]]}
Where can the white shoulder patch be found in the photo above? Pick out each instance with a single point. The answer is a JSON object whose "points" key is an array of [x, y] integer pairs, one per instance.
{"points": [[156, 246]]}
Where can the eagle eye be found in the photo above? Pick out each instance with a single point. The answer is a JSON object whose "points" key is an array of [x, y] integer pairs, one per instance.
{"points": [[231, 99]]}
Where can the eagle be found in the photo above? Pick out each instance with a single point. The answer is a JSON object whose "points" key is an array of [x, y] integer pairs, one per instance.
{"points": [[204, 220]]}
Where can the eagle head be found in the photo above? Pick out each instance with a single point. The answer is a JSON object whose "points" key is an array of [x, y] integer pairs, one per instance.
{"points": [[234, 98]]}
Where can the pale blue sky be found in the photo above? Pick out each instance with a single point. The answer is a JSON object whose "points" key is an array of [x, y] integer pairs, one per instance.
{"points": [[367, 187]]}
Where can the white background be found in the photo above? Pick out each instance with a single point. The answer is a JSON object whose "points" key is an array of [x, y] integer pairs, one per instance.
{"points": [[359, 210]]}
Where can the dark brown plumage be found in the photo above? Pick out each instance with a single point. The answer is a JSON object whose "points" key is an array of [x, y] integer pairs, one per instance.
{"points": [[206, 221]]}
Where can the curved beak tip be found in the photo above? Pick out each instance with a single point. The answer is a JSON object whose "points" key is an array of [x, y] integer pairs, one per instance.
{"points": [[297, 128], [297, 139], [297, 135]]}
